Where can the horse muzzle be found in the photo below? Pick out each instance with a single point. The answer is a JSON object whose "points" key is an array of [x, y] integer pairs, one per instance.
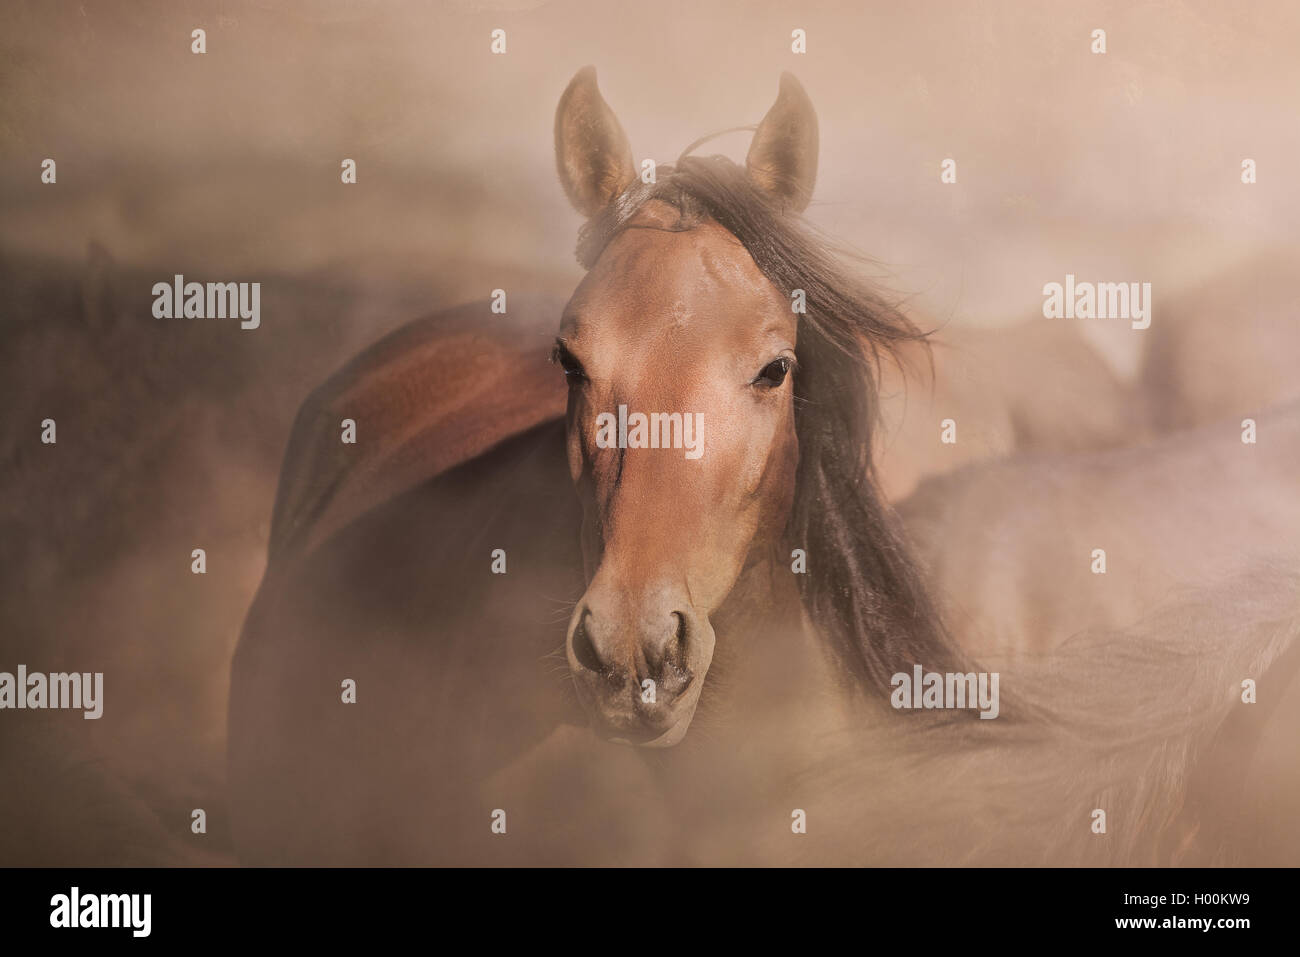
{"points": [[639, 672]]}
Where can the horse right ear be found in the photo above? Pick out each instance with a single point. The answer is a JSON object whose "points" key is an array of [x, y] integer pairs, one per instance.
{"points": [[782, 156], [592, 153]]}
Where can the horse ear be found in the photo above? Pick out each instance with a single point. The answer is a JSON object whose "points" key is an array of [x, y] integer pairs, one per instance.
{"points": [[592, 153], [782, 157]]}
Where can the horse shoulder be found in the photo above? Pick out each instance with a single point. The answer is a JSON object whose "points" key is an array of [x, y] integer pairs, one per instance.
{"points": [[1225, 347]]}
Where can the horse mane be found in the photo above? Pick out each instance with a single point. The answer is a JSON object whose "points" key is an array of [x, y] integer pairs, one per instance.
{"points": [[862, 589]]}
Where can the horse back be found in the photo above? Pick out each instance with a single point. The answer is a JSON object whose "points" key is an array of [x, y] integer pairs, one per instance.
{"points": [[432, 395]]}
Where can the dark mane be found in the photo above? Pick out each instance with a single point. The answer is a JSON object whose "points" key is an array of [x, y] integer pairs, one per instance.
{"points": [[862, 589]]}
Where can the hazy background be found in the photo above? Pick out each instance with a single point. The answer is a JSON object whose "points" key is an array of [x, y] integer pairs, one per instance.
{"points": [[1120, 165], [225, 167]]}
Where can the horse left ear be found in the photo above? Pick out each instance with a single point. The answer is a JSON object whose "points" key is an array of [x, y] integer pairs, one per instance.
{"points": [[782, 158]]}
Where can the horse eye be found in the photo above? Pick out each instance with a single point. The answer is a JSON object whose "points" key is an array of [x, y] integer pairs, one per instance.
{"points": [[573, 370], [773, 373]]}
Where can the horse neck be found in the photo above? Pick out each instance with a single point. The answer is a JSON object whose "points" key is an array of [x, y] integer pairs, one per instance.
{"points": [[769, 691], [766, 648]]}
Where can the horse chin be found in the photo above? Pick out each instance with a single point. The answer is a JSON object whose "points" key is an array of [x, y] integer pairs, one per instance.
{"points": [[674, 735], [667, 738]]}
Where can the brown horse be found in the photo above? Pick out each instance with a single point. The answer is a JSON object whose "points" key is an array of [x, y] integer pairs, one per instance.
{"points": [[743, 602], [1192, 374]]}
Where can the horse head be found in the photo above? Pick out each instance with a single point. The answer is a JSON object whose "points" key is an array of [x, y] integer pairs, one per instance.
{"points": [[683, 354]]}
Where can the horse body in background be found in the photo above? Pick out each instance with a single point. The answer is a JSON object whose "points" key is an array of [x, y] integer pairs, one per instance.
{"points": [[1229, 351], [744, 613]]}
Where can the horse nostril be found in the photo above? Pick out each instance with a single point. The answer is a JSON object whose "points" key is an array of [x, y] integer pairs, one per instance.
{"points": [[583, 649], [681, 636]]}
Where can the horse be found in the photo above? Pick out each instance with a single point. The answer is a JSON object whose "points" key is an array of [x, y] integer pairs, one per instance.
{"points": [[1192, 374], [726, 629], [1026, 386]]}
